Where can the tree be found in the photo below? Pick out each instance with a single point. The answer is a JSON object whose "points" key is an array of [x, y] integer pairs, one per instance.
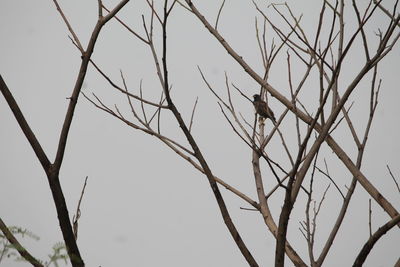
{"points": [[329, 66]]}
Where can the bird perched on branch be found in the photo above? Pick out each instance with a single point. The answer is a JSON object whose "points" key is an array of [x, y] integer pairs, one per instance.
{"points": [[262, 108]]}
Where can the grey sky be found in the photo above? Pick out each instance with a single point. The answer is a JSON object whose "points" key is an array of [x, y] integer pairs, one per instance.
{"points": [[145, 206]]}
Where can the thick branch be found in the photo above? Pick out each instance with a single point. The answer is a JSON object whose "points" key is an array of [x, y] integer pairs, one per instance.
{"points": [[266, 213], [373, 239], [37, 148]]}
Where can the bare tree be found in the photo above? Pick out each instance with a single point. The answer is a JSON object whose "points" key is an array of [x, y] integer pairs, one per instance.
{"points": [[321, 58]]}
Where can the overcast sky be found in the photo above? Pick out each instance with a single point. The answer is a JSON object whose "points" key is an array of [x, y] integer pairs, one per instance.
{"points": [[144, 205]]}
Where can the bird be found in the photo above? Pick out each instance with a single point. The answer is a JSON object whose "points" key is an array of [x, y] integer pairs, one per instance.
{"points": [[262, 108]]}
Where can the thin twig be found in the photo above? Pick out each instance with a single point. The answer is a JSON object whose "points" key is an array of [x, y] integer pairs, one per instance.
{"points": [[151, 5], [141, 103], [240, 91], [330, 178], [128, 28], [219, 14], [394, 179], [191, 117], [102, 106], [78, 211], [171, 7], [158, 111], [264, 55], [124, 91], [76, 39]]}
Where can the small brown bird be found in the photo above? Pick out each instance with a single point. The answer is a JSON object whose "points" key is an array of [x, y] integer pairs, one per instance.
{"points": [[262, 108]]}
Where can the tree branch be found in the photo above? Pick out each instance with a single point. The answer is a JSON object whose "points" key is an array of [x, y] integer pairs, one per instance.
{"points": [[21, 250], [379, 198], [221, 203], [37, 148], [373, 239], [78, 84]]}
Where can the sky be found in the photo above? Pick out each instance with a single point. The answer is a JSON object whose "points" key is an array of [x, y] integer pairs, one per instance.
{"points": [[143, 204]]}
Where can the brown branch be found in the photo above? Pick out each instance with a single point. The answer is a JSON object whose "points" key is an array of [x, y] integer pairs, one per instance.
{"points": [[265, 211], [219, 14], [78, 84], [231, 109], [366, 249], [369, 217], [361, 148], [333, 8], [53, 170], [300, 174], [21, 250], [75, 219], [147, 130], [364, 38], [127, 27], [310, 231], [191, 117], [264, 54], [122, 90], [173, 145], [240, 91], [53, 179], [284, 37], [158, 111], [323, 135], [100, 7], [76, 39], [141, 102], [233, 127], [330, 178], [397, 264], [369, 65], [37, 148], [390, 15], [350, 125], [153, 11], [379, 198], [221, 203], [394, 179], [171, 7]]}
